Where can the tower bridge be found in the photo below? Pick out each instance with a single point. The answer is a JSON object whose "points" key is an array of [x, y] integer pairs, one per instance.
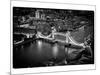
{"points": [[63, 37]]}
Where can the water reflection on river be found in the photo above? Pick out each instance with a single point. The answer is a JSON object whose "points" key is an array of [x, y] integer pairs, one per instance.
{"points": [[36, 53]]}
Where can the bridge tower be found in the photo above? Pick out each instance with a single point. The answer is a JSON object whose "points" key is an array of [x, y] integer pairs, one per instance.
{"points": [[67, 38], [53, 31]]}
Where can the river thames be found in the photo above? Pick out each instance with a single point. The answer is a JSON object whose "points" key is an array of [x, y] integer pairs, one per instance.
{"points": [[40, 53]]}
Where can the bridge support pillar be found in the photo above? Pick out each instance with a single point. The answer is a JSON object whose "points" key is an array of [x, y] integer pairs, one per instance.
{"points": [[67, 39], [53, 35]]}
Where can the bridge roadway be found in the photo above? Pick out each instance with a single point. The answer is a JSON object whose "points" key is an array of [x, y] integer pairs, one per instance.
{"points": [[69, 38]]}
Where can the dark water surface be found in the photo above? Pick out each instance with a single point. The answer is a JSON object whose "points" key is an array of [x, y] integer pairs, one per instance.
{"points": [[36, 53]]}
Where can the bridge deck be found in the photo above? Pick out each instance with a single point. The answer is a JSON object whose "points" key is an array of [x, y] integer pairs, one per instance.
{"points": [[69, 39]]}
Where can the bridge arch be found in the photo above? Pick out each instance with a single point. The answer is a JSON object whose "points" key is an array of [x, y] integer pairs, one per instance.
{"points": [[68, 38]]}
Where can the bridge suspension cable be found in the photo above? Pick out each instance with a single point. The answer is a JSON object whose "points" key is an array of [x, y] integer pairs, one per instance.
{"points": [[69, 38]]}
